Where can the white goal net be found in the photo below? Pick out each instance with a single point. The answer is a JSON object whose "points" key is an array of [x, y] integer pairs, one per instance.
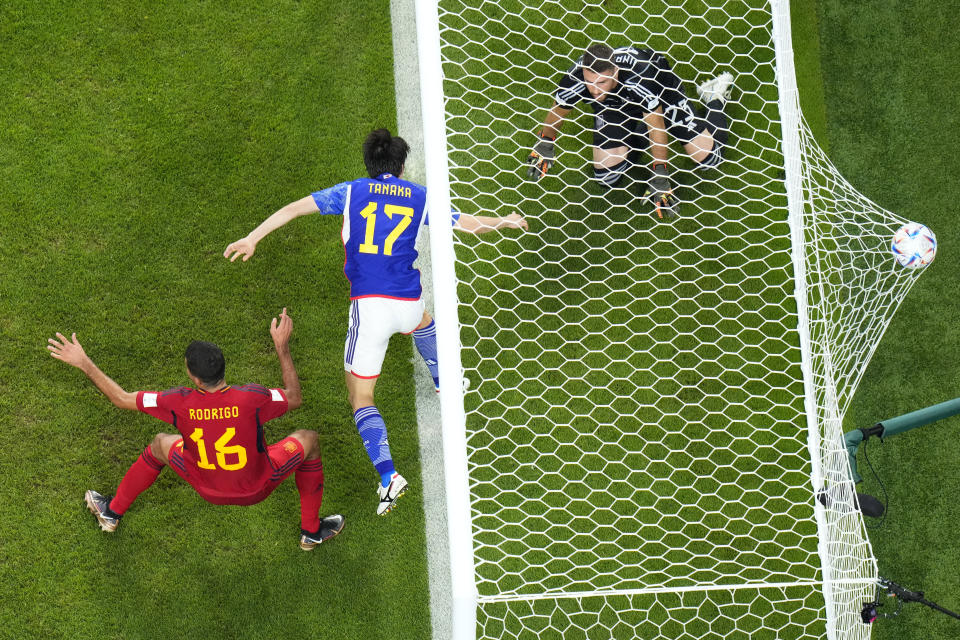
{"points": [[655, 404]]}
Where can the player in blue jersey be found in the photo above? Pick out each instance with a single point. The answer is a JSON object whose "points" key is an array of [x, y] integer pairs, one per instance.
{"points": [[383, 216], [637, 100]]}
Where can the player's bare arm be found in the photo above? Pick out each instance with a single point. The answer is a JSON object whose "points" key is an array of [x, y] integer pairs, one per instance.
{"points": [[71, 352], [657, 128], [482, 224], [280, 330], [555, 118], [245, 247], [659, 188]]}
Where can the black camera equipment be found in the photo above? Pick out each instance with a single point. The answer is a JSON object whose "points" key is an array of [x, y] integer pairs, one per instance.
{"points": [[871, 610]]}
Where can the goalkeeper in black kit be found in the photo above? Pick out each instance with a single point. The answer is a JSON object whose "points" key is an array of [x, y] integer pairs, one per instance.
{"points": [[637, 100]]}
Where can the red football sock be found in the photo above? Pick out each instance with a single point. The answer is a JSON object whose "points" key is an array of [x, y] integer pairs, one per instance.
{"points": [[309, 479], [139, 476]]}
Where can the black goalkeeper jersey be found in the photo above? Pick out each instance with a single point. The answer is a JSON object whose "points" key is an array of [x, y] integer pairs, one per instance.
{"points": [[645, 82]]}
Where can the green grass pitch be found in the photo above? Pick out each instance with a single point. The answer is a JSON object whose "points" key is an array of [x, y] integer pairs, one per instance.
{"points": [[889, 86], [136, 142]]}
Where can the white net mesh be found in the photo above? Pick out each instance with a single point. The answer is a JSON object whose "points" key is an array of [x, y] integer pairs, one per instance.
{"points": [[853, 284], [639, 453], [775, 612], [853, 287]]}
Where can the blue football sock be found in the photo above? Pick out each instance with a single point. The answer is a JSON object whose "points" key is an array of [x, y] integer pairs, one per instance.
{"points": [[426, 341], [374, 433]]}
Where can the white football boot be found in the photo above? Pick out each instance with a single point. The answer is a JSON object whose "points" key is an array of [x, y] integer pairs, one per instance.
{"points": [[389, 494], [719, 88]]}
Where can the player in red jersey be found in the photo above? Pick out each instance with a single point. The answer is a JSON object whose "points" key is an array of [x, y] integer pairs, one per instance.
{"points": [[220, 449]]}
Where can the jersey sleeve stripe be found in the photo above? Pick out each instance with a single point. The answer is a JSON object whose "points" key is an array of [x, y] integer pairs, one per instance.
{"points": [[180, 391], [254, 388], [567, 96]]}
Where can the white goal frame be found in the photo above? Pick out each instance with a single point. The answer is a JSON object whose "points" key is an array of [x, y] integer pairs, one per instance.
{"points": [[463, 590], [453, 420], [790, 114]]}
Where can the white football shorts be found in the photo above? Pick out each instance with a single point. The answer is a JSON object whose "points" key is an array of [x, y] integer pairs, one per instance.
{"points": [[372, 321]]}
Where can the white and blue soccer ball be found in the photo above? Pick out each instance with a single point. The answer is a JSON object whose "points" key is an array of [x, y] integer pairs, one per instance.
{"points": [[914, 245]]}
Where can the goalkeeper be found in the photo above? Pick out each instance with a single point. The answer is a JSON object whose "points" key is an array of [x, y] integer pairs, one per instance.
{"points": [[636, 100]]}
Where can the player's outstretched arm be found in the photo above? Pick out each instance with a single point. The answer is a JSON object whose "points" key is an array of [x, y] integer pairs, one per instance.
{"points": [[660, 188], [657, 131], [280, 330], [482, 224], [555, 118], [71, 352], [245, 247]]}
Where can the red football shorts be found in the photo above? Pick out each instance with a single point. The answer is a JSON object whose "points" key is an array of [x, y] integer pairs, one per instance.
{"points": [[285, 457]]}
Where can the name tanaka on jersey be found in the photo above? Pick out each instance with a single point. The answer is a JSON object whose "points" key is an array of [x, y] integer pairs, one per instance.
{"points": [[386, 189]]}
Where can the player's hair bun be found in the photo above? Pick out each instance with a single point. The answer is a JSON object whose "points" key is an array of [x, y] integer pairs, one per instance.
{"points": [[384, 153], [380, 140]]}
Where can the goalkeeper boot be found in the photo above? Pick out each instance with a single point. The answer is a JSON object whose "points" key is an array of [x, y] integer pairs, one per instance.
{"points": [[719, 88], [329, 527], [390, 493], [100, 507]]}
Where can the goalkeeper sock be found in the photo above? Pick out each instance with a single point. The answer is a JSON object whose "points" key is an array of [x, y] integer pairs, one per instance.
{"points": [[309, 479], [610, 176], [426, 341], [717, 121], [374, 433], [138, 477]]}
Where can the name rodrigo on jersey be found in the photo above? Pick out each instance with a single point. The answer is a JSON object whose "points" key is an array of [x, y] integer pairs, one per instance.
{"points": [[216, 413]]}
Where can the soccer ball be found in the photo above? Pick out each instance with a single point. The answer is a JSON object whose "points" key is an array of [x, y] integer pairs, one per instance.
{"points": [[914, 245]]}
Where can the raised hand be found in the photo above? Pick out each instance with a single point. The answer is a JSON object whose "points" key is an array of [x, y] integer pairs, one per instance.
{"points": [[281, 328], [515, 221], [70, 351]]}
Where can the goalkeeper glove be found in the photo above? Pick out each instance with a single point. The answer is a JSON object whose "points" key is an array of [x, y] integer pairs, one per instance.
{"points": [[660, 192], [541, 158]]}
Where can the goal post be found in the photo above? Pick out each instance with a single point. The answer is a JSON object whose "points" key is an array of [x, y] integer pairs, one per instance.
{"points": [[789, 98], [463, 597], [655, 405]]}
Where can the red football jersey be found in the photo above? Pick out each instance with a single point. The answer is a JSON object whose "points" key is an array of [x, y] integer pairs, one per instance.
{"points": [[222, 435]]}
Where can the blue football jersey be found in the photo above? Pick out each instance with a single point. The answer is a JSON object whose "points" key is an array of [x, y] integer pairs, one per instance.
{"points": [[382, 219]]}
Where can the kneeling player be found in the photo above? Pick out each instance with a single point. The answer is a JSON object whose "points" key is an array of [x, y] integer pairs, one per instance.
{"points": [[220, 449], [636, 99]]}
